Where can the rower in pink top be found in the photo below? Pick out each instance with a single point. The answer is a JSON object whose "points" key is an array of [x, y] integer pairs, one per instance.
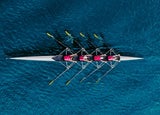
{"points": [[97, 58], [67, 58], [111, 58], [85, 58]]}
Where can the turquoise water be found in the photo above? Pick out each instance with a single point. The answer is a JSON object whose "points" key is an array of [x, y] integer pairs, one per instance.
{"points": [[131, 27]]}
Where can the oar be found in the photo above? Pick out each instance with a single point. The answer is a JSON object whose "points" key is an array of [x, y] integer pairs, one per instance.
{"points": [[52, 81], [68, 34], [59, 42], [71, 37], [97, 37], [82, 35], [84, 78], [69, 81], [97, 81], [89, 41]]}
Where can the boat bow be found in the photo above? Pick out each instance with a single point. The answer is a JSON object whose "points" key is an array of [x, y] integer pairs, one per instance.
{"points": [[128, 58]]}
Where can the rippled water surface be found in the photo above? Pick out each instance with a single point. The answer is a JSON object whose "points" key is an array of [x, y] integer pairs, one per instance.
{"points": [[132, 27]]}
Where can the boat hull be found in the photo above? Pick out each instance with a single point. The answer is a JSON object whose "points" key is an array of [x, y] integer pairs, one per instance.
{"points": [[34, 58], [60, 58]]}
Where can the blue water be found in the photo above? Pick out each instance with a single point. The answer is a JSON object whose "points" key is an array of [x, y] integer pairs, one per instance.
{"points": [[132, 27]]}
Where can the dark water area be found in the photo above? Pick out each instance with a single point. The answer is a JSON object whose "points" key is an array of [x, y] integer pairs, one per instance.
{"points": [[131, 27]]}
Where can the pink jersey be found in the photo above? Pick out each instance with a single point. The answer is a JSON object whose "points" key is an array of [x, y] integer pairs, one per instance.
{"points": [[67, 58], [110, 58], [81, 58], [97, 58]]}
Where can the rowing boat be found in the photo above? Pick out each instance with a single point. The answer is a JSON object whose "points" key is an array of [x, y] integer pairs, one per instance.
{"points": [[82, 58], [61, 58]]}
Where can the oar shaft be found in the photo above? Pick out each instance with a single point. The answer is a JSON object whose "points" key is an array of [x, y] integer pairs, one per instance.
{"points": [[57, 40], [71, 37], [103, 75], [50, 83], [88, 75], [106, 73], [76, 74]]}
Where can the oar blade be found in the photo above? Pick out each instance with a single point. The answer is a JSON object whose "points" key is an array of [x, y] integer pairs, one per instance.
{"points": [[68, 82], [51, 82], [50, 35]]}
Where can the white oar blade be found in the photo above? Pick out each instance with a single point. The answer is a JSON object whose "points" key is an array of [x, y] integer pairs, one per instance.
{"points": [[34, 58], [127, 58]]}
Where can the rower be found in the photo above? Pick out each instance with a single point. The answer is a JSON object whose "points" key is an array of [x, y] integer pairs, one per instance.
{"points": [[67, 58], [100, 58], [114, 58], [97, 58], [85, 58], [70, 58]]}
